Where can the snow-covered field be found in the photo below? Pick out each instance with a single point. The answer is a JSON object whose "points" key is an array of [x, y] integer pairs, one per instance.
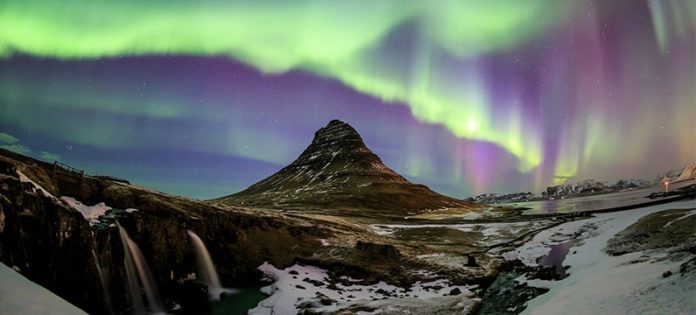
{"points": [[18, 295], [300, 286], [603, 284]]}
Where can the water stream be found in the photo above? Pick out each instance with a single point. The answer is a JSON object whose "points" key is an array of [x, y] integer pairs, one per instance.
{"points": [[103, 274], [205, 263], [138, 273]]}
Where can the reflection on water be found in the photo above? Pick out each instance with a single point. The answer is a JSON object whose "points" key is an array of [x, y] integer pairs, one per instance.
{"points": [[594, 202], [556, 256]]}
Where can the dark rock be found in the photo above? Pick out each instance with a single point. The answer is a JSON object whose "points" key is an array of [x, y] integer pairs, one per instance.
{"points": [[505, 294], [316, 283], [547, 273], [299, 287], [325, 300], [383, 250], [471, 261], [666, 274], [688, 266], [455, 291], [48, 241]]}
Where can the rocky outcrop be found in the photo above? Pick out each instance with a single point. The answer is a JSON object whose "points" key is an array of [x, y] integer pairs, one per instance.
{"points": [[46, 241], [337, 171]]}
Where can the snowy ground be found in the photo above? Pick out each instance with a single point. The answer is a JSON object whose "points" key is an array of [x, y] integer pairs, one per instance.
{"points": [[603, 284], [306, 287], [91, 213], [18, 295]]}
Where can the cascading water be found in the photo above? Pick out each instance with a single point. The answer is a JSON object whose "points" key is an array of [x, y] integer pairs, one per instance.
{"points": [[205, 265], [102, 272], [137, 273]]}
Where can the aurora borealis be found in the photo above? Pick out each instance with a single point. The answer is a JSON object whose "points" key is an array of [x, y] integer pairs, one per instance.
{"points": [[206, 98]]}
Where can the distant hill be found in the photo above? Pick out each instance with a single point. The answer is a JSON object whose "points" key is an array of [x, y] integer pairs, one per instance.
{"points": [[688, 172], [337, 171]]}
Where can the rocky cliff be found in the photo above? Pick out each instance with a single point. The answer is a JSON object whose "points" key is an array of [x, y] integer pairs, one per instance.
{"points": [[337, 171], [52, 244], [45, 240]]}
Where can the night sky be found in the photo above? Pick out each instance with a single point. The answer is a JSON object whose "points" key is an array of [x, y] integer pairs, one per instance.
{"points": [[204, 98]]}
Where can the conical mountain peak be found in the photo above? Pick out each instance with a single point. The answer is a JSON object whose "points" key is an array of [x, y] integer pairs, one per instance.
{"points": [[337, 133], [337, 138], [338, 171]]}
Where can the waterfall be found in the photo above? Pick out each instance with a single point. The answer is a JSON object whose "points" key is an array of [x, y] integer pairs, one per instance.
{"points": [[137, 269], [205, 263], [102, 272]]}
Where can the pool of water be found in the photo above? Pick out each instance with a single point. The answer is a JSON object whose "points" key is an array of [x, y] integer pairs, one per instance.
{"points": [[239, 303], [556, 256]]}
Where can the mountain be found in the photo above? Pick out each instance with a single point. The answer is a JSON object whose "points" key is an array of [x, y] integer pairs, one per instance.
{"points": [[591, 186], [670, 176], [689, 172], [632, 183], [337, 171]]}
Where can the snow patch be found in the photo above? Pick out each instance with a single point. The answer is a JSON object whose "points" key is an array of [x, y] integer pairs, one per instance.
{"points": [[300, 285], [18, 295], [91, 213], [24, 179]]}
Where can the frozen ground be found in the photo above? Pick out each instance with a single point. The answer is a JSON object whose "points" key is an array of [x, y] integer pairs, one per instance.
{"points": [[302, 287], [18, 295], [603, 284]]}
